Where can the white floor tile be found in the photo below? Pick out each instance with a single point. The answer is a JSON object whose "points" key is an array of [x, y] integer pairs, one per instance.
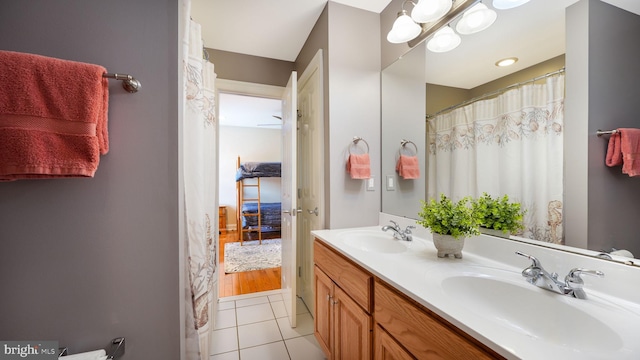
{"points": [[254, 313], [258, 334], [225, 319], [273, 351], [304, 326], [224, 340], [226, 305], [276, 297], [252, 301], [304, 348], [278, 309], [234, 355]]}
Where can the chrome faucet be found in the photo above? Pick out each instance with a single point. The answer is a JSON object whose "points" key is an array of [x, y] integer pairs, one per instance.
{"points": [[398, 233], [572, 285]]}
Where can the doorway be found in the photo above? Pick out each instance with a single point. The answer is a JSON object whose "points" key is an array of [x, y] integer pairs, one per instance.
{"points": [[250, 131]]}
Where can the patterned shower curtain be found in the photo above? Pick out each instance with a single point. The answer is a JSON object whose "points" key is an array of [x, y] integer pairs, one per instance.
{"points": [[512, 145], [199, 159]]}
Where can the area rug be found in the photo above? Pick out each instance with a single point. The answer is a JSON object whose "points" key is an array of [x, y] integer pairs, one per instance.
{"points": [[252, 255]]}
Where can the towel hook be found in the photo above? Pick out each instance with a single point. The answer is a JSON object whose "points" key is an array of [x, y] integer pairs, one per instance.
{"points": [[404, 143], [357, 139]]}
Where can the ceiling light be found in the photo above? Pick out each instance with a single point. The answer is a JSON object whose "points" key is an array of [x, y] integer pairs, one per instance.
{"points": [[430, 10], [507, 61], [476, 19], [404, 29], [444, 40], [508, 4]]}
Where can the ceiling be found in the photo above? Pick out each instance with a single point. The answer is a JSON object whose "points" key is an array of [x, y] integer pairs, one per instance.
{"points": [[277, 29]]}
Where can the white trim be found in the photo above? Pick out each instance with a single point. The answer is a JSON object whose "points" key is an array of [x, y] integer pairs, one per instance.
{"points": [[246, 88]]}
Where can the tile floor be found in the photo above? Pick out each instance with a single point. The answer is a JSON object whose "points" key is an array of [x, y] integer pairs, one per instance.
{"points": [[256, 327]]}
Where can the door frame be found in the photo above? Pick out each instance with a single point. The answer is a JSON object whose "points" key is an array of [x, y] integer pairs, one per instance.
{"points": [[239, 88]]}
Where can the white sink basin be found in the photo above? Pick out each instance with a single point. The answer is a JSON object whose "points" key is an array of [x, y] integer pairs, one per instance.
{"points": [[538, 313], [373, 241], [503, 297]]}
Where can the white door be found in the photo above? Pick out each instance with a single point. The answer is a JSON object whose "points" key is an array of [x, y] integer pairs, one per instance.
{"points": [[289, 198], [310, 173]]}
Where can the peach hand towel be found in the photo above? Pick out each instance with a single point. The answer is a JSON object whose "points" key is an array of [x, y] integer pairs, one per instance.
{"points": [[624, 148], [53, 117], [408, 167], [359, 166]]}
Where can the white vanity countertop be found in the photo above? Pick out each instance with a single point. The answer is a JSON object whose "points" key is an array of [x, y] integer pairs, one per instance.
{"points": [[418, 272]]}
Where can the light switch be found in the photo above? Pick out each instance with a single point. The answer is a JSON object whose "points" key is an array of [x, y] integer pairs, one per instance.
{"points": [[371, 184], [391, 183]]}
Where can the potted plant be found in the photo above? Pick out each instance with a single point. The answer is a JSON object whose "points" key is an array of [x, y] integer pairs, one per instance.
{"points": [[498, 216], [450, 222]]}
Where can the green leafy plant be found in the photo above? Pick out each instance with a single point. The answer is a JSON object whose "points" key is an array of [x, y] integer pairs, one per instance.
{"points": [[447, 217], [499, 213]]}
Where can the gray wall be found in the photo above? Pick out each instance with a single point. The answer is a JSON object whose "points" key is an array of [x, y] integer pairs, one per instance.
{"points": [[601, 203], [249, 68], [354, 110], [86, 260]]}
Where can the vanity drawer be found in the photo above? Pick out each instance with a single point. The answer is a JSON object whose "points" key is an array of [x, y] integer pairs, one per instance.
{"points": [[353, 280], [420, 331]]}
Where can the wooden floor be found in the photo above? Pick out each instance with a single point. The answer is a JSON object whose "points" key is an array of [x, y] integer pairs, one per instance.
{"points": [[246, 282]]}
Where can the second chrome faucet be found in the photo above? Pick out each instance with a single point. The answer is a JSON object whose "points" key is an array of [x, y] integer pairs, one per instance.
{"points": [[398, 233], [572, 285]]}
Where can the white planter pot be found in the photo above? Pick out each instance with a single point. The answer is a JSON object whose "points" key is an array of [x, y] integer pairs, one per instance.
{"points": [[448, 245]]}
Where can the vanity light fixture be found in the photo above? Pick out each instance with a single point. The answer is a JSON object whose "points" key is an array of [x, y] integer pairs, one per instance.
{"points": [[508, 4], [404, 29], [476, 19], [430, 10], [444, 40], [507, 62]]}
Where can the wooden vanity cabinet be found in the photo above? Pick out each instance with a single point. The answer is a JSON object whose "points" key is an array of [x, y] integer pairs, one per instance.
{"points": [[386, 348], [404, 329], [342, 322], [421, 332]]}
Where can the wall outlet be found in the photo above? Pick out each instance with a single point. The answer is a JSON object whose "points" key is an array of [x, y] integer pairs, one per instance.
{"points": [[371, 184]]}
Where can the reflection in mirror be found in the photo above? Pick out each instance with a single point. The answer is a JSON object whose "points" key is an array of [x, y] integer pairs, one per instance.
{"points": [[469, 72], [403, 112]]}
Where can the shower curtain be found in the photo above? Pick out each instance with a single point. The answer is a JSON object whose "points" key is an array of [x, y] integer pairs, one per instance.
{"points": [[511, 144], [200, 182]]}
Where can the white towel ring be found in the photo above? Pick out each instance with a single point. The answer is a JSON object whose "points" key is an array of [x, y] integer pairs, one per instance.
{"points": [[404, 143], [357, 139]]}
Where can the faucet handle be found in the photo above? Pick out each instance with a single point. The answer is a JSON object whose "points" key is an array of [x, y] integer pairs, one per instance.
{"points": [[535, 262], [408, 229], [574, 275]]}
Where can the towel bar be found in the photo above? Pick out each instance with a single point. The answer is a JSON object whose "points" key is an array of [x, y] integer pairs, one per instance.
{"points": [[608, 132], [116, 352], [129, 83]]}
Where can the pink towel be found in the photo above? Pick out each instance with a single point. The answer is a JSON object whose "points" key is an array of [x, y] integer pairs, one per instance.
{"points": [[408, 167], [359, 166], [624, 148], [53, 117]]}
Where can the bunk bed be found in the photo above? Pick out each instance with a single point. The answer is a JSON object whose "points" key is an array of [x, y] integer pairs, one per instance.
{"points": [[254, 217]]}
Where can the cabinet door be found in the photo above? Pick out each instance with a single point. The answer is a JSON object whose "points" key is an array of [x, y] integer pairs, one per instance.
{"points": [[322, 312], [352, 326], [385, 348]]}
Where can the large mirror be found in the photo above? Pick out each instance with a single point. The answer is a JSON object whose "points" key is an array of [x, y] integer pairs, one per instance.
{"points": [[600, 204]]}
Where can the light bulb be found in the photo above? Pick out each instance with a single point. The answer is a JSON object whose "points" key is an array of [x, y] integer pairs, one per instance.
{"points": [[444, 40], [430, 10], [404, 29]]}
